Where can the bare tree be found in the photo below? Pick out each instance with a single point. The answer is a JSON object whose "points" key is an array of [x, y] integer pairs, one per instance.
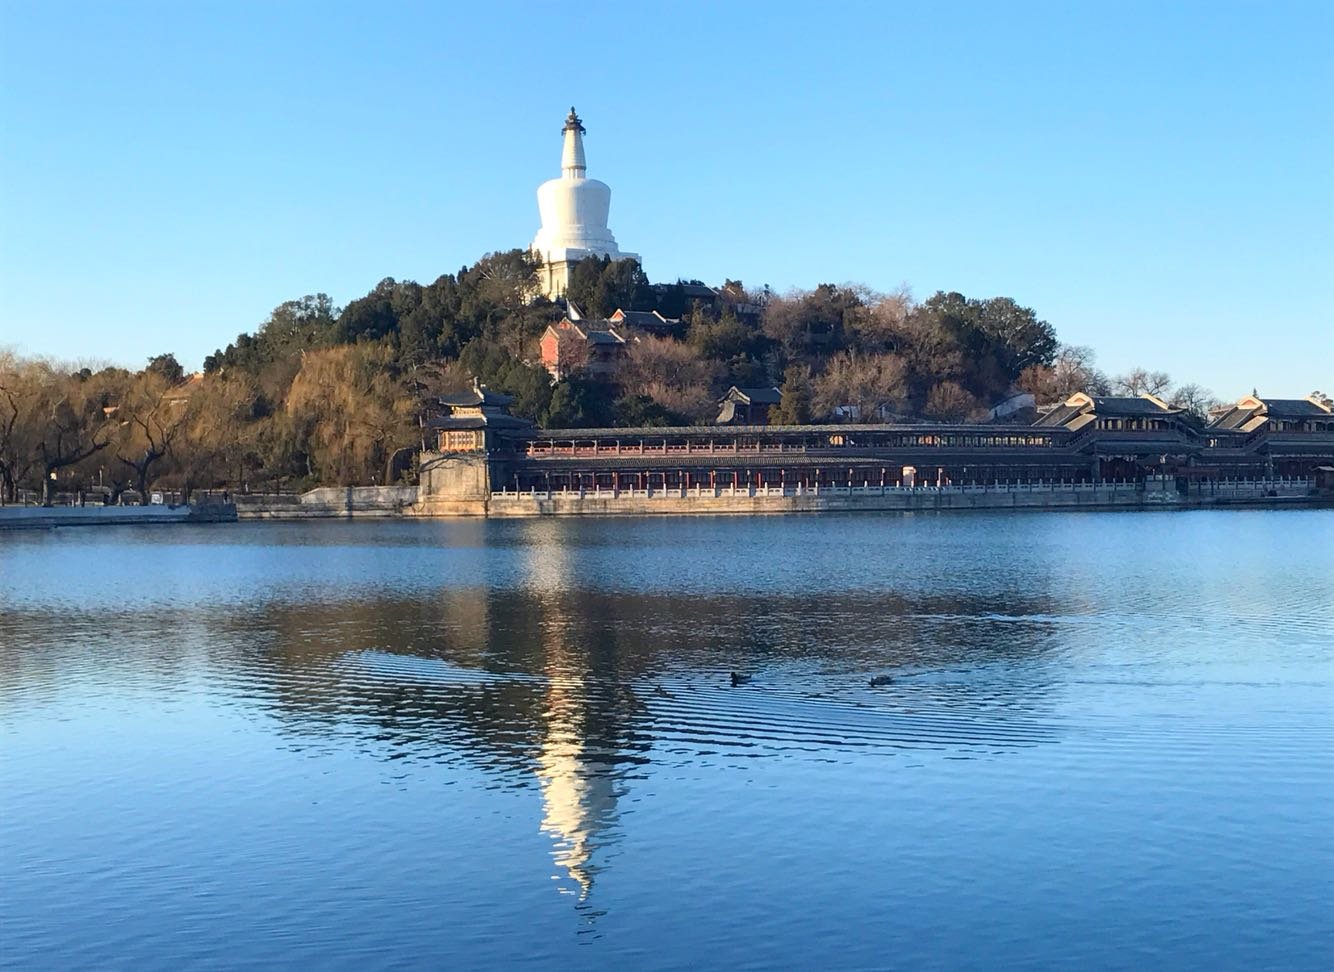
{"points": [[879, 321], [1195, 399], [76, 426], [950, 402], [15, 398], [151, 422], [1072, 370], [673, 374], [866, 383], [1141, 381]]}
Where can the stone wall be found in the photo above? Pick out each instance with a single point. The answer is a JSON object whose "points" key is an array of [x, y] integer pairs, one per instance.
{"points": [[454, 485], [344, 502], [456, 488], [45, 517], [1157, 492]]}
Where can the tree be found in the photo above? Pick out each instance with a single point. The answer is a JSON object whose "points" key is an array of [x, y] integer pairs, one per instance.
{"points": [[150, 423], [582, 287], [1018, 338], [672, 373], [580, 403], [600, 285], [930, 353], [19, 401], [1141, 381], [878, 324], [805, 320], [640, 411], [622, 284], [982, 345], [273, 354], [950, 402], [865, 384], [504, 280], [225, 429], [350, 411], [1071, 371], [76, 422], [723, 339], [167, 367], [377, 314], [794, 407], [1196, 400]]}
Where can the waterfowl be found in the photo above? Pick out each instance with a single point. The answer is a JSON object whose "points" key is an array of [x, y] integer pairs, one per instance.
{"points": [[739, 679], [879, 680]]}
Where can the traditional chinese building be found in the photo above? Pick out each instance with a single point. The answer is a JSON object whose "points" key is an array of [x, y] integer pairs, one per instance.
{"points": [[471, 415], [1277, 415], [1087, 439], [594, 348], [650, 322], [747, 406]]}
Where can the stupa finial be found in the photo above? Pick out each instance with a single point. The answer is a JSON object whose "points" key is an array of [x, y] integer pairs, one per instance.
{"points": [[573, 123]]}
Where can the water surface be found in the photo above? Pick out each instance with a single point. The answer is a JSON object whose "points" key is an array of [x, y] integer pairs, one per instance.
{"points": [[1109, 743]]}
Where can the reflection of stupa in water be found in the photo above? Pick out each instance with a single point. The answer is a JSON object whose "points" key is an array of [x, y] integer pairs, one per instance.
{"points": [[578, 789], [578, 796]]}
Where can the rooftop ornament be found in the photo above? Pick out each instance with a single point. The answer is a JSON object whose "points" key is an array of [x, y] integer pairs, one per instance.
{"points": [[574, 124]]}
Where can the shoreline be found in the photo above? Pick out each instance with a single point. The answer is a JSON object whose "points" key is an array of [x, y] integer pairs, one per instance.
{"points": [[55, 517], [402, 503]]}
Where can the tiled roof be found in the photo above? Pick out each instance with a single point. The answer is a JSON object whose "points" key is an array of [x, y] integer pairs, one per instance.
{"points": [[758, 396], [645, 319], [1105, 406], [1294, 408], [1232, 418], [1254, 411], [1059, 415], [1129, 405], [492, 420], [476, 396]]}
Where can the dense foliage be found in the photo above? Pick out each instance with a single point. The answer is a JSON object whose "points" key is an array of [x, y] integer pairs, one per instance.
{"points": [[322, 395]]}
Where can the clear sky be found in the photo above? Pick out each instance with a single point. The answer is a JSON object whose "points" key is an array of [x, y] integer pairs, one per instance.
{"points": [[1155, 179]]}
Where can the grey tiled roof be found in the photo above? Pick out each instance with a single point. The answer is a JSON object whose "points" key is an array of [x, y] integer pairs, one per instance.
{"points": [[758, 396], [644, 319], [1058, 415], [1293, 408], [1107, 405], [493, 420], [473, 397]]}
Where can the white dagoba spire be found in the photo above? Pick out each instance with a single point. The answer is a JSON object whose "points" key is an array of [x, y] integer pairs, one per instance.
{"points": [[574, 212], [572, 164]]}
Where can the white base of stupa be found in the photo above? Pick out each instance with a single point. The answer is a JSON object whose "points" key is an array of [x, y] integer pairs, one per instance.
{"points": [[558, 266]]}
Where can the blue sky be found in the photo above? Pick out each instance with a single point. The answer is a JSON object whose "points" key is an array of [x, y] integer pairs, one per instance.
{"points": [[1157, 180]]}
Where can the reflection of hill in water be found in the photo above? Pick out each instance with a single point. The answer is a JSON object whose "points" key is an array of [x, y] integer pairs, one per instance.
{"points": [[575, 689], [482, 660]]}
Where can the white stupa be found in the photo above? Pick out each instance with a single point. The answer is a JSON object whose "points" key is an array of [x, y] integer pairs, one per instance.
{"points": [[574, 215]]}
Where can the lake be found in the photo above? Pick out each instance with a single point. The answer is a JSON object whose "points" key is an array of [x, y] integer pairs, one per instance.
{"points": [[1108, 743]]}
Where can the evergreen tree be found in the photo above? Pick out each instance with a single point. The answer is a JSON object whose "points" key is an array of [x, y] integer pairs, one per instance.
{"points": [[795, 406]]}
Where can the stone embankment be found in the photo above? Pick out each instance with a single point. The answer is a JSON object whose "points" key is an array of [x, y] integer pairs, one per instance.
{"points": [[1156, 493], [47, 517], [406, 501], [330, 502], [372, 502]]}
